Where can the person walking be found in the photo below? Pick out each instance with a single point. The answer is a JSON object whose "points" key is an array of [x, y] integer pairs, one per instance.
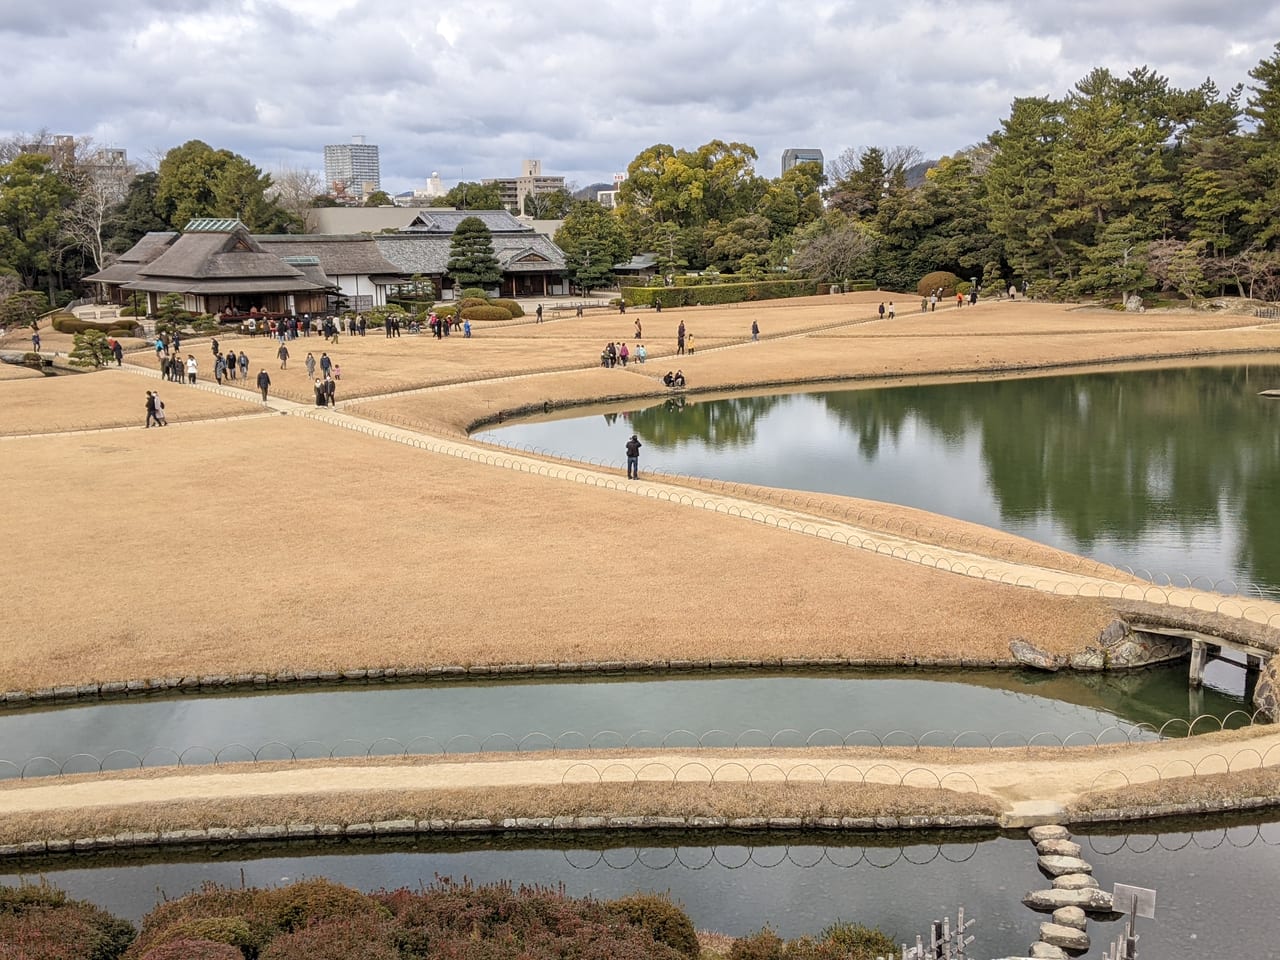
{"points": [[244, 365], [689, 342], [325, 364], [330, 388], [633, 458], [319, 392], [283, 355], [117, 351], [161, 419], [191, 368], [219, 368], [881, 310], [640, 354], [755, 332], [35, 341], [310, 364], [538, 313], [890, 309], [466, 329], [624, 354], [151, 409], [264, 383], [680, 338], [639, 331]]}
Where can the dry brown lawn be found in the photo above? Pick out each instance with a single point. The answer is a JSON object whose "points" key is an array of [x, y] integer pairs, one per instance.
{"points": [[374, 554], [10, 371], [105, 398]]}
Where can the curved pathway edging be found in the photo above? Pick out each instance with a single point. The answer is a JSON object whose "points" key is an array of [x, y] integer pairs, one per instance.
{"points": [[566, 825]]}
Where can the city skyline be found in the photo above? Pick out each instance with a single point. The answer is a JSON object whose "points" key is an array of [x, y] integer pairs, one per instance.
{"points": [[470, 90]]}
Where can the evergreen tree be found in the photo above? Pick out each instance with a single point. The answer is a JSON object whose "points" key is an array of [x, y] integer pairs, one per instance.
{"points": [[1264, 162], [90, 349], [593, 240], [471, 259]]}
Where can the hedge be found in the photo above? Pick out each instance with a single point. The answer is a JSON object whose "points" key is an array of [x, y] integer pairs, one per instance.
{"points": [[509, 305], [473, 302], [719, 293], [67, 323], [485, 313]]}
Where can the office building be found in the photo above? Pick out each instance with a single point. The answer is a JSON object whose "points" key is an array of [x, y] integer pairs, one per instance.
{"points": [[793, 155], [530, 181], [352, 167]]}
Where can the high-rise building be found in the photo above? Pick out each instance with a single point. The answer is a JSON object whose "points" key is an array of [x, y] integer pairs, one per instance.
{"points": [[793, 155], [352, 167]]}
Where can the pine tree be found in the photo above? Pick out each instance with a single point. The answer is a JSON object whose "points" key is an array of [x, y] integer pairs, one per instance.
{"points": [[471, 259]]}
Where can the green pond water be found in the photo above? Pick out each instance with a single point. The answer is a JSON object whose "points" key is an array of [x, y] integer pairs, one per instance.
{"points": [[1174, 473]]}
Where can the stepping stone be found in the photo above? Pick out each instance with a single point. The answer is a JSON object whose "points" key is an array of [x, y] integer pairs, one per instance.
{"points": [[1040, 834], [1089, 900], [1059, 866], [1046, 951], [1070, 917], [1068, 938], [1074, 881], [1058, 848]]}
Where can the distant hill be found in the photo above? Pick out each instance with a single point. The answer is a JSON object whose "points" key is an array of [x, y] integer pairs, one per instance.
{"points": [[590, 190]]}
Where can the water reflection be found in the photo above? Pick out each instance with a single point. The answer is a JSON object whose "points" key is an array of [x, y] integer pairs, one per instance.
{"points": [[1172, 471]]}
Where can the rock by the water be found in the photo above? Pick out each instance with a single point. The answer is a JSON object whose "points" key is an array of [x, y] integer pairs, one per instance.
{"points": [[1041, 834], [1266, 695], [1058, 866], [1068, 938], [1074, 881], [1070, 917], [1047, 951], [1029, 655], [1090, 900], [1058, 848]]}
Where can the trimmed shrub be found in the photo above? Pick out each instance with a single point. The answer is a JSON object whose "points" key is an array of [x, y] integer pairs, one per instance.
{"points": [[131, 311], [354, 938], [466, 302], [194, 950], [858, 942], [310, 901], [718, 293], [209, 902], [939, 278], [666, 922], [510, 306], [765, 945], [232, 931], [446, 310], [475, 293], [125, 332], [60, 929], [485, 313]]}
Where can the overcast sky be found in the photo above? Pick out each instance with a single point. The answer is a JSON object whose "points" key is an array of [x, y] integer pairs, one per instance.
{"points": [[470, 88]]}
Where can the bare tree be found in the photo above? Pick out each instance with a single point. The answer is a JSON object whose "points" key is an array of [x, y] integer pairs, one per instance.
{"points": [[840, 253], [295, 191]]}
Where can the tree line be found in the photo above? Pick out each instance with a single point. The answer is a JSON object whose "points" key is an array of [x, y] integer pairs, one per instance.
{"points": [[1126, 185]]}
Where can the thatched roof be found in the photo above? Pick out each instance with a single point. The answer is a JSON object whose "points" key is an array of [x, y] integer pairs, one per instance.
{"points": [[143, 252], [219, 256]]}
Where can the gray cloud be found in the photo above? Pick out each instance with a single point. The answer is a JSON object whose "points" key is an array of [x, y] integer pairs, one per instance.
{"points": [[472, 87]]}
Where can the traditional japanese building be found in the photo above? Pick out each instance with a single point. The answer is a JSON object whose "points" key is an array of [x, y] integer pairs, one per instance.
{"points": [[215, 264]]}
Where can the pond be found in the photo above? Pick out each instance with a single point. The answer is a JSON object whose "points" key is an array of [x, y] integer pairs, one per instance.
{"points": [[1214, 879], [1172, 472], [967, 707]]}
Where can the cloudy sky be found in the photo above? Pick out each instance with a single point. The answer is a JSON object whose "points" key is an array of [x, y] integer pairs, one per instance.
{"points": [[470, 87]]}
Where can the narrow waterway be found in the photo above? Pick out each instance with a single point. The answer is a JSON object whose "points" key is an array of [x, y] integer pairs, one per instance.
{"points": [[1214, 880], [968, 708]]}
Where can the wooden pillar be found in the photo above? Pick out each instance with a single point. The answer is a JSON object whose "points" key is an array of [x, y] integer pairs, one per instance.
{"points": [[1199, 654]]}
